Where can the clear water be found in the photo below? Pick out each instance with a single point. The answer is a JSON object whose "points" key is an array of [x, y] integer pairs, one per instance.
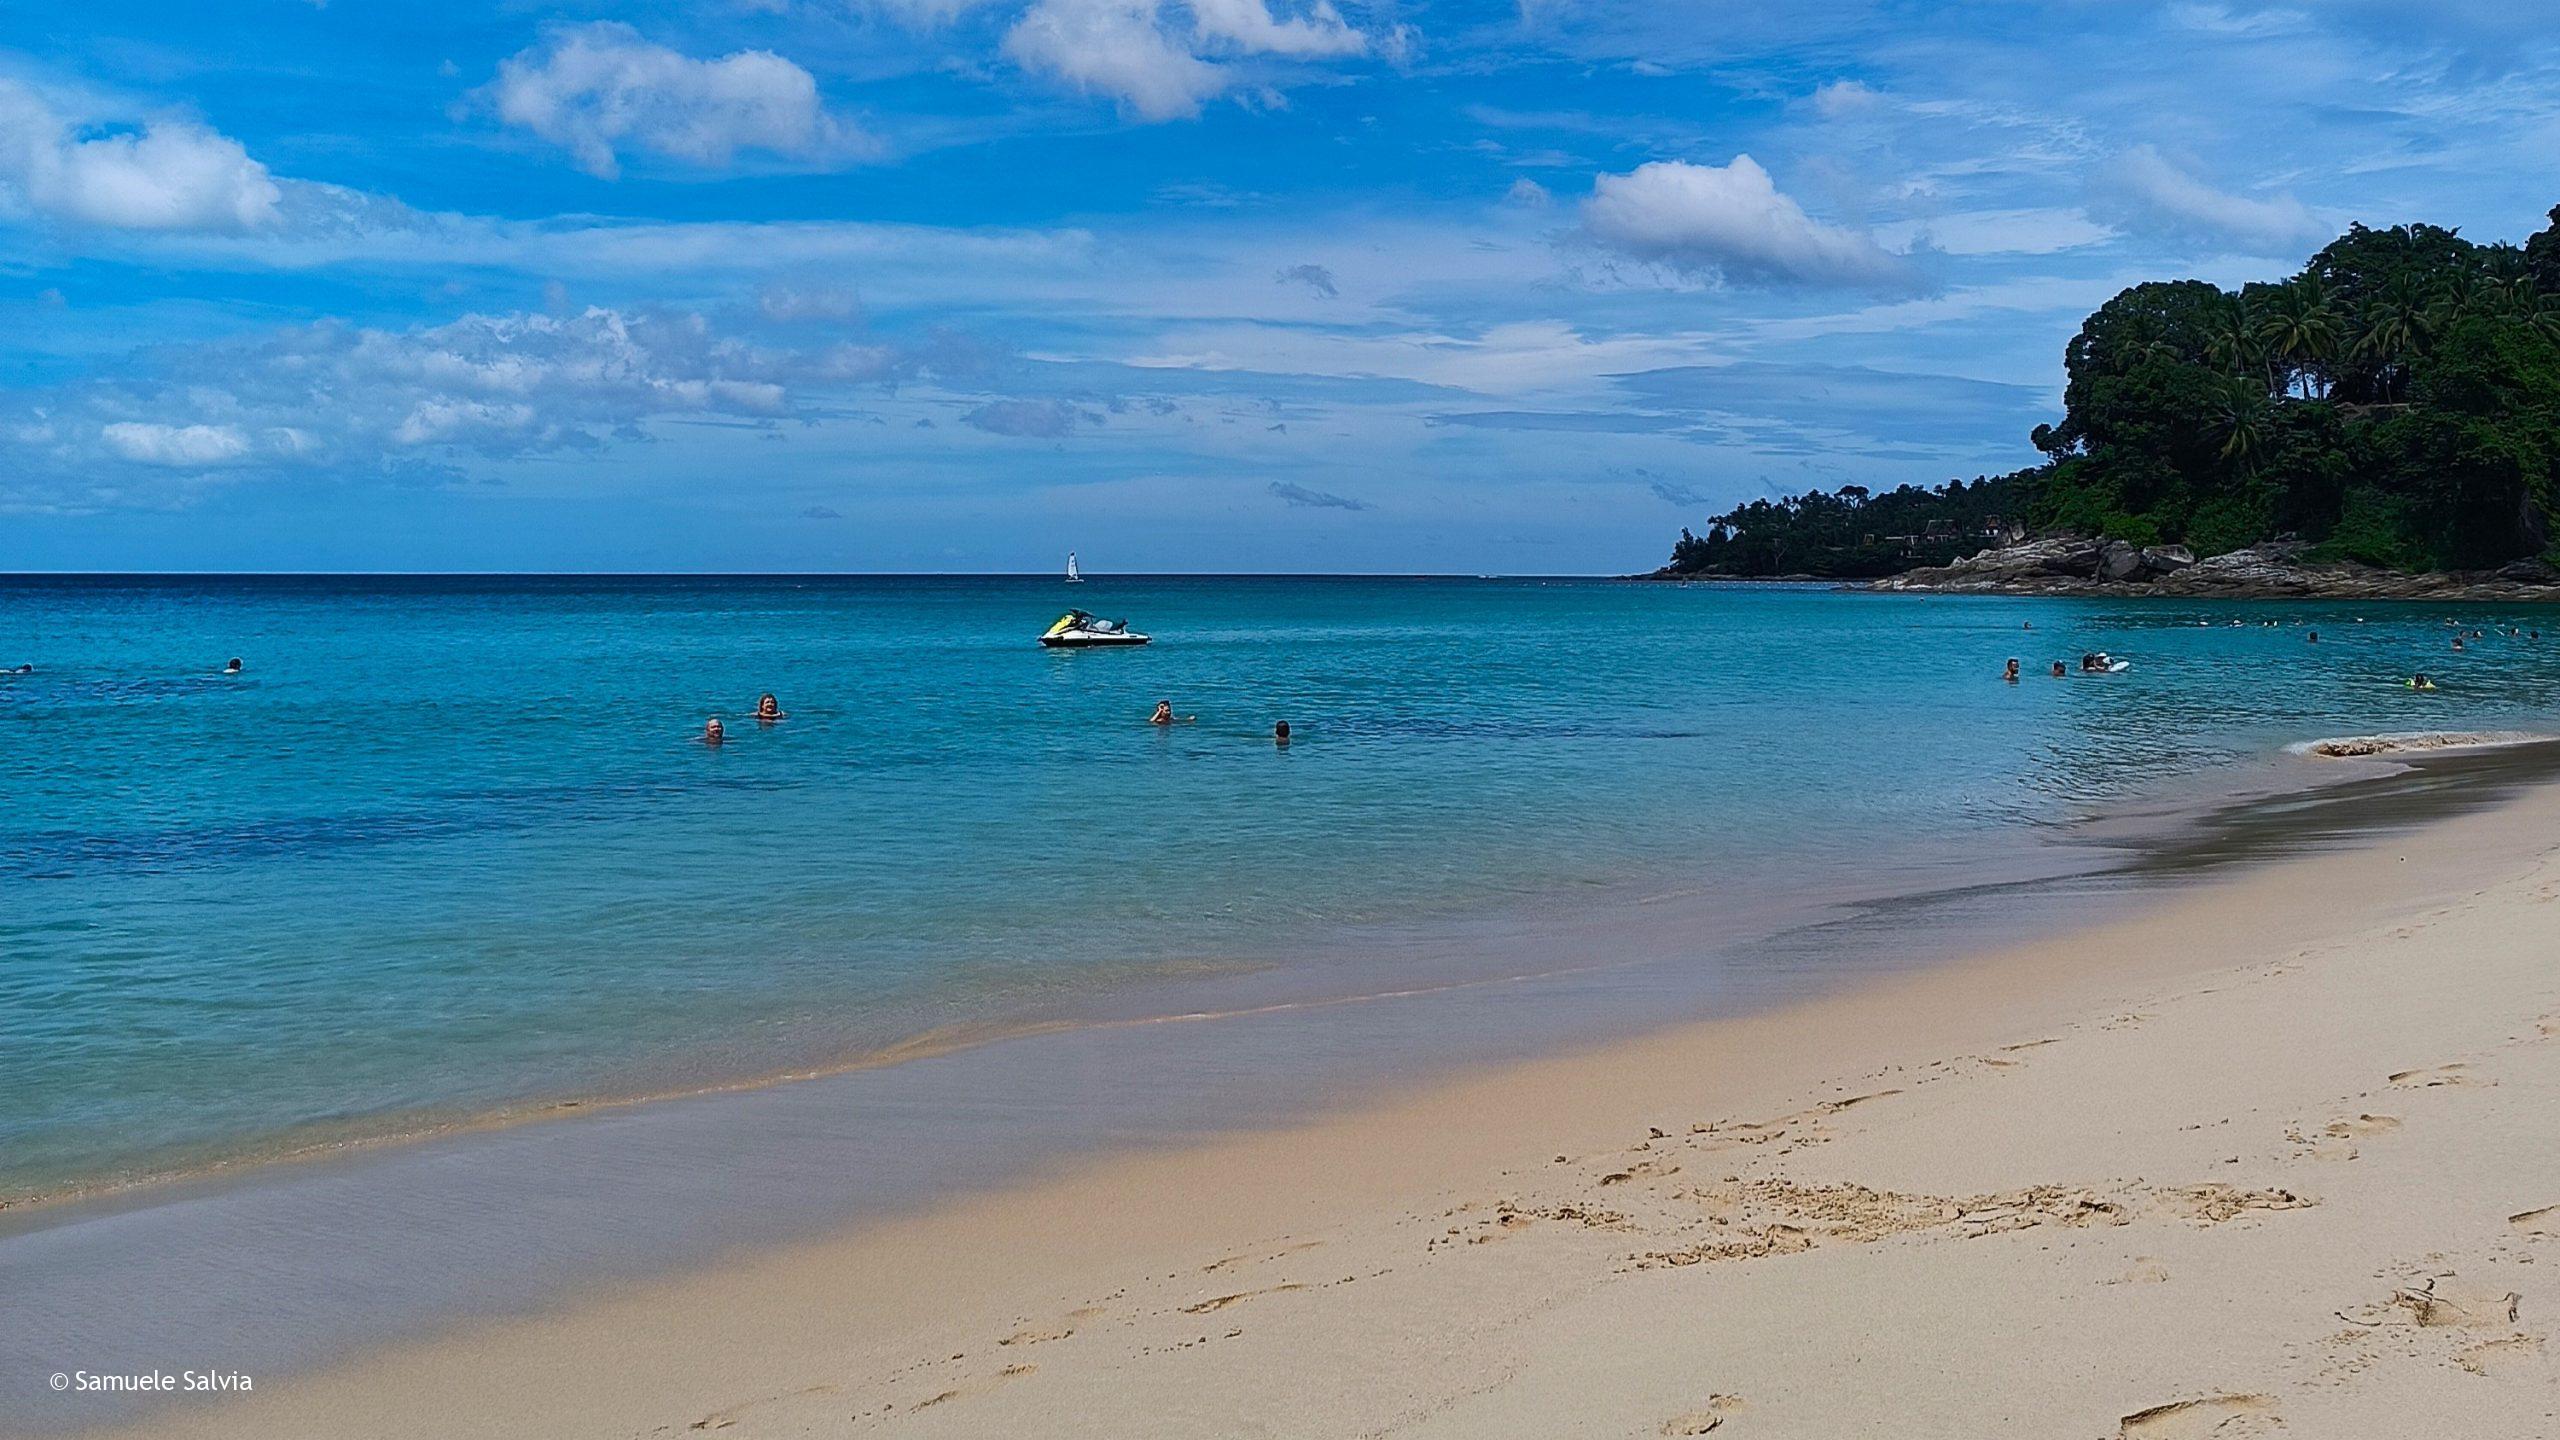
{"points": [[447, 846]]}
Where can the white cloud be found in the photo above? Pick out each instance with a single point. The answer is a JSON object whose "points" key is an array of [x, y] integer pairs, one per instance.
{"points": [[190, 447], [353, 398], [1249, 26], [164, 174], [598, 89], [2144, 190], [1732, 222], [1115, 48], [1135, 53]]}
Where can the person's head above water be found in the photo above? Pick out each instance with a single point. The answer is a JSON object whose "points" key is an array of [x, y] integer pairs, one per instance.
{"points": [[2059, 670], [1163, 715], [712, 733], [768, 708], [1280, 732], [2011, 673], [233, 668]]}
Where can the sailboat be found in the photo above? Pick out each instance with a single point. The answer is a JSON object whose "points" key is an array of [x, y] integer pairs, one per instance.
{"points": [[1074, 575]]}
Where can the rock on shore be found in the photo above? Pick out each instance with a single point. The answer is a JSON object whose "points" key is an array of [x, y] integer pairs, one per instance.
{"points": [[2076, 565]]}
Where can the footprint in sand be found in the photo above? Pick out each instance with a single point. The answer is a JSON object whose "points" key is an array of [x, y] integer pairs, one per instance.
{"points": [[2224, 1417], [1221, 1302], [2431, 1076], [2143, 1271], [1706, 1418], [2357, 1126], [2443, 1302], [2499, 1355], [2540, 1224], [1010, 1372]]}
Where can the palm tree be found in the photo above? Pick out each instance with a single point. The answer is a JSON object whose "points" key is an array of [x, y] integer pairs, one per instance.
{"points": [[2232, 341], [2395, 326], [2301, 327], [2248, 417]]}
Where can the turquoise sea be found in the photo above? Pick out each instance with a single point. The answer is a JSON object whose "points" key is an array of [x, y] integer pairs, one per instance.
{"points": [[447, 848]]}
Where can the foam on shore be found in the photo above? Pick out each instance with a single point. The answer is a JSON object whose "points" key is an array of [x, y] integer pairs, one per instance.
{"points": [[2345, 747]]}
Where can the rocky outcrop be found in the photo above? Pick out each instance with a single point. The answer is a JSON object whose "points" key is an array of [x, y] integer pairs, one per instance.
{"points": [[2076, 565]]}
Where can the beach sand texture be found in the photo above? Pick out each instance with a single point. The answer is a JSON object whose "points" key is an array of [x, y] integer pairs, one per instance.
{"points": [[2277, 1158]]}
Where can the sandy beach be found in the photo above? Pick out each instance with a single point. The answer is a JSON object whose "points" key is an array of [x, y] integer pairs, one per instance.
{"points": [[2272, 1158]]}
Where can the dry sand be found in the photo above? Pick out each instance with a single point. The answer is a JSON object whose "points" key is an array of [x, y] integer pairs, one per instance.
{"points": [[2281, 1157]]}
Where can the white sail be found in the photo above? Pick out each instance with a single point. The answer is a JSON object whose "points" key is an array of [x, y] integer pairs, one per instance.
{"points": [[1073, 574]]}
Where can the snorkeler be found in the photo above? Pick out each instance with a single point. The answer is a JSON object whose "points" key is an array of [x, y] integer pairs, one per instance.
{"points": [[712, 732], [768, 709]]}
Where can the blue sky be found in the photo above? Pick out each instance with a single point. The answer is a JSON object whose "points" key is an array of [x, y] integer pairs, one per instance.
{"points": [[1181, 284]]}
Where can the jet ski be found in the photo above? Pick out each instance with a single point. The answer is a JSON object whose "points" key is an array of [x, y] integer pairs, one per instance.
{"points": [[1078, 630]]}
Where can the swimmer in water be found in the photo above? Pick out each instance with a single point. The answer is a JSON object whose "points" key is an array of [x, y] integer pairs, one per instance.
{"points": [[2421, 682], [1280, 734], [1164, 715], [2010, 674], [2457, 642], [768, 709], [233, 668], [2315, 637], [712, 732], [2059, 671]]}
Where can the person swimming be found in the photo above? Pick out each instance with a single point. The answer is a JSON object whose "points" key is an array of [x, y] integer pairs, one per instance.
{"points": [[769, 709], [1280, 734], [2421, 682], [2457, 642], [233, 668], [1164, 715], [2060, 670], [712, 731], [2314, 637], [2011, 674]]}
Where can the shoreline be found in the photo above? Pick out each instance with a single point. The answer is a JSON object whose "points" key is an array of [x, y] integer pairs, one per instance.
{"points": [[2161, 818], [1364, 1168]]}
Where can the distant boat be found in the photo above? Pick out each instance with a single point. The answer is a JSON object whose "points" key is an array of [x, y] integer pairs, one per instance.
{"points": [[1074, 575]]}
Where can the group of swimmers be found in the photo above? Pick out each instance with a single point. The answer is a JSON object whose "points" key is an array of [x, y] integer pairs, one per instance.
{"points": [[1164, 715], [768, 711], [2095, 662]]}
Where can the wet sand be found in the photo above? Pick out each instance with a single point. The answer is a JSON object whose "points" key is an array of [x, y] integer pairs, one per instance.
{"points": [[2034, 1192]]}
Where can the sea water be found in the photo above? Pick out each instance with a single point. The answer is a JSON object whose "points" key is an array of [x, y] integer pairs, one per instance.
{"points": [[448, 847]]}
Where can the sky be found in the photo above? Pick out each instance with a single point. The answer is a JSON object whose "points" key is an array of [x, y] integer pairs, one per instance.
{"points": [[1182, 285]]}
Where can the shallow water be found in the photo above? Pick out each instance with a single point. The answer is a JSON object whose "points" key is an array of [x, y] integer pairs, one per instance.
{"points": [[446, 846]]}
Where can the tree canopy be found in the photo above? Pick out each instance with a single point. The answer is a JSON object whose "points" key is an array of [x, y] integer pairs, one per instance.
{"points": [[2396, 402]]}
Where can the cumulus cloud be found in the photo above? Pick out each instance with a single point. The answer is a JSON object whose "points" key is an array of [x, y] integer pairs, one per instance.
{"points": [[358, 399], [1025, 419], [2144, 190], [1138, 53], [1314, 277], [1731, 221], [1314, 499], [599, 89], [158, 174], [190, 447], [1249, 26]]}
